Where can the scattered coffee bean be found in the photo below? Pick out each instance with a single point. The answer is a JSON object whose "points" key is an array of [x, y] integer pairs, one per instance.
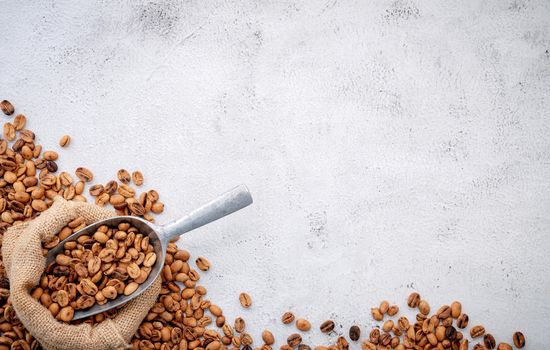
{"points": [[504, 346], [7, 107], [294, 339], [376, 314], [268, 337], [519, 340], [462, 321], [424, 307], [384, 306], [413, 300], [245, 300], [393, 310], [64, 140], [327, 326], [303, 325], [477, 331], [489, 341], [288, 317], [354, 333]]}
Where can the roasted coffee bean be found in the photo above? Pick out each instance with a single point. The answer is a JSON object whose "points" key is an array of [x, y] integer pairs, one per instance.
{"points": [[7, 107], [288, 317], [303, 325], [268, 337], [444, 312], [477, 331], [354, 333], [387, 326], [413, 300], [456, 309], [403, 323], [245, 300], [479, 347], [342, 343], [424, 307], [84, 174], [137, 178], [294, 339], [203, 264], [504, 346], [393, 310], [519, 340], [489, 341], [327, 326], [462, 321], [374, 335], [239, 325], [304, 347], [384, 339]]}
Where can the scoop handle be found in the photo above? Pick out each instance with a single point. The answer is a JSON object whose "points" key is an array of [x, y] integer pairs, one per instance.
{"points": [[225, 204]]}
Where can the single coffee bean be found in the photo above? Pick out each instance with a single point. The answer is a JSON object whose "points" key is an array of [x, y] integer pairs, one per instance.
{"points": [[245, 300], [374, 336], [504, 346], [403, 323], [367, 345], [384, 339], [327, 326], [354, 333], [239, 325], [387, 326], [303, 325], [456, 309], [304, 347], [294, 339], [464, 344], [450, 332], [7, 107], [413, 300], [489, 341], [479, 347], [288, 317], [477, 331], [342, 343], [268, 337], [462, 321], [64, 141], [519, 340], [203, 264], [424, 307], [444, 312], [393, 310]]}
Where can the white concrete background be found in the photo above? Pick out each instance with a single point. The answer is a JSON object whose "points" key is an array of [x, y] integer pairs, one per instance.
{"points": [[390, 146]]}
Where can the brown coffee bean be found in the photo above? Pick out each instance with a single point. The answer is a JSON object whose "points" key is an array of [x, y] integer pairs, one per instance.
{"points": [[413, 300], [342, 343], [294, 339], [384, 339], [479, 347], [489, 341], [288, 317], [387, 326], [504, 346], [424, 307], [456, 309], [202, 263], [84, 174], [519, 340], [304, 347], [464, 344], [268, 337], [303, 325], [7, 107], [123, 176], [367, 345], [19, 122], [477, 331], [137, 178], [444, 312], [246, 339], [65, 314], [239, 325], [393, 310], [462, 321], [327, 326], [130, 288], [403, 323], [374, 336], [245, 300], [354, 333]]}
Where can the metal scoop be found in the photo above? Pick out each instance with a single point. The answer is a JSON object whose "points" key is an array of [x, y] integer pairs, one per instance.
{"points": [[159, 236]]}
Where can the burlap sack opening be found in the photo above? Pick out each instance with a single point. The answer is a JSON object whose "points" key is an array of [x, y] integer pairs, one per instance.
{"points": [[24, 265]]}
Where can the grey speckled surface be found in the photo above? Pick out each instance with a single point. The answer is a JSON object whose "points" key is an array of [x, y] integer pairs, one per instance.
{"points": [[389, 145]]}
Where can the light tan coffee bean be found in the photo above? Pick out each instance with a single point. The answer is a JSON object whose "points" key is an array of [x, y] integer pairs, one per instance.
{"points": [[456, 309], [130, 288], [424, 307], [19, 122], [268, 337], [202, 263], [376, 314], [504, 346], [393, 310], [137, 178], [123, 176], [84, 174], [303, 324], [384, 306]]}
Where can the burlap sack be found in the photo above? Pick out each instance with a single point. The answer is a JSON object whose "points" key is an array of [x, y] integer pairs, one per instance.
{"points": [[24, 265]]}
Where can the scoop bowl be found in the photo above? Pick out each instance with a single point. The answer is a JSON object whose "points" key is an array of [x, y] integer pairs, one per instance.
{"points": [[159, 237]]}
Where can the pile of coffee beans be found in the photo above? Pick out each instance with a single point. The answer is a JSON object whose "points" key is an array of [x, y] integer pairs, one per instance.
{"points": [[94, 269]]}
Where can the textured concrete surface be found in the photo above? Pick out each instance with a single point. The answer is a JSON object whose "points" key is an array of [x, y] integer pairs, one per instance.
{"points": [[390, 146]]}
